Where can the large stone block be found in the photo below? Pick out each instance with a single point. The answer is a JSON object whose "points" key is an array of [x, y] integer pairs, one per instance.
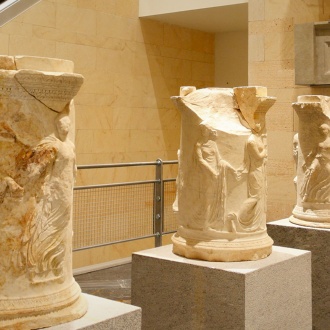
{"points": [[179, 293], [316, 240]]}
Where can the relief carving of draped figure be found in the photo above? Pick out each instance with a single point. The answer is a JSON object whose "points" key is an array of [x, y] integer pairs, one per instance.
{"points": [[43, 240], [212, 173], [250, 217], [316, 182]]}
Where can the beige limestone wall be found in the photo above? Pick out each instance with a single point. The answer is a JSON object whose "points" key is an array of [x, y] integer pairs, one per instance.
{"points": [[271, 64], [231, 59], [131, 68]]}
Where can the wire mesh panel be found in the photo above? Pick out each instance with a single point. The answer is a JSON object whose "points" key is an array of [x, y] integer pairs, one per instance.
{"points": [[113, 213], [170, 220]]}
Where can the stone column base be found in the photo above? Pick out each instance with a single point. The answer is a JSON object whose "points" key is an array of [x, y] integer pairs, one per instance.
{"points": [[43, 311], [313, 215], [194, 244]]}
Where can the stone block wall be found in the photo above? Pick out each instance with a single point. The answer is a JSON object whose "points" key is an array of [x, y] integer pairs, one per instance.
{"points": [[271, 64]]}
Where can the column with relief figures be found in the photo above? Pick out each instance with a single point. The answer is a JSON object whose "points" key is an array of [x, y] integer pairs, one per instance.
{"points": [[312, 145], [37, 169], [221, 192]]}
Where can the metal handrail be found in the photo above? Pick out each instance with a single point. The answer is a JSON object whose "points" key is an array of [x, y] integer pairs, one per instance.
{"points": [[114, 184], [114, 242], [158, 198], [95, 166]]}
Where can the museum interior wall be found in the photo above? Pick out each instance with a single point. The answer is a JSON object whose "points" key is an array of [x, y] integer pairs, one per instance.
{"points": [[231, 66], [131, 68], [271, 64]]}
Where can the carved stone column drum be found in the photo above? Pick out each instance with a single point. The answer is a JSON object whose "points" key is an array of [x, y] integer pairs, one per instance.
{"points": [[221, 185], [37, 168], [312, 154]]}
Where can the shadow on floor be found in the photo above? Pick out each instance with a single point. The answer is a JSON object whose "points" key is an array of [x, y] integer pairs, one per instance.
{"points": [[111, 283]]}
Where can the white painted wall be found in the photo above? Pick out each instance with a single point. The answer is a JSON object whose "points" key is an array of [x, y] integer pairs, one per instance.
{"points": [[159, 7], [231, 59]]}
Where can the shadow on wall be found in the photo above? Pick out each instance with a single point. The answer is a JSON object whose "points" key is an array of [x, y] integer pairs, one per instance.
{"points": [[173, 56]]}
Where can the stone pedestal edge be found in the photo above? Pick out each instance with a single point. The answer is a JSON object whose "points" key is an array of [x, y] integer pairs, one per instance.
{"points": [[67, 314], [222, 251]]}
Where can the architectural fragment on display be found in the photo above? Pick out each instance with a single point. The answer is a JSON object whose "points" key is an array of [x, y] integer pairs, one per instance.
{"points": [[312, 53], [221, 185], [37, 170], [312, 150]]}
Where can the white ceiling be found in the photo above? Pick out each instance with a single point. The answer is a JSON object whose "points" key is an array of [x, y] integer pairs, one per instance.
{"points": [[214, 20], [11, 8]]}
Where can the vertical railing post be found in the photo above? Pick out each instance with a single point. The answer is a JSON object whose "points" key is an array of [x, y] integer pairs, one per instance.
{"points": [[158, 204]]}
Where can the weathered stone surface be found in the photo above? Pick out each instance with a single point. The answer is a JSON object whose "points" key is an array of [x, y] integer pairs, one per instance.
{"points": [[221, 185], [312, 154], [7, 62], [37, 168], [43, 64]]}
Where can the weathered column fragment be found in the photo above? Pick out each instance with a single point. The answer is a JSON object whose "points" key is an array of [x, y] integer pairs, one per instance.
{"points": [[312, 154], [37, 167], [221, 193]]}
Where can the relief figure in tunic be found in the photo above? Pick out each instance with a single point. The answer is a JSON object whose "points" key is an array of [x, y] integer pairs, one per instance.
{"points": [[212, 173], [316, 182], [8, 185], [295, 155]]}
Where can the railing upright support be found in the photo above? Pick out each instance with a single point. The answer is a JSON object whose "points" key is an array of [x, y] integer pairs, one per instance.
{"points": [[159, 204]]}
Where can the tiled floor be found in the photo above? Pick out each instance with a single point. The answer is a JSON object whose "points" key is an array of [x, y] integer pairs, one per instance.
{"points": [[112, 283]]}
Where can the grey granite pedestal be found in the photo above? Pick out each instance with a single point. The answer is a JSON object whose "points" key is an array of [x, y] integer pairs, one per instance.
{"points": [[178, 293], [104, 314], [316, 240]]}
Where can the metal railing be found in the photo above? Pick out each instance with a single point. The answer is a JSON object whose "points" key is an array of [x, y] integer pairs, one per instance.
{"points": [[105, 214]]}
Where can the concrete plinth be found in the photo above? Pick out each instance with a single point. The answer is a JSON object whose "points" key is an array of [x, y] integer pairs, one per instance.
{"points": [[179, 293], [316, 240], [104, 314]]}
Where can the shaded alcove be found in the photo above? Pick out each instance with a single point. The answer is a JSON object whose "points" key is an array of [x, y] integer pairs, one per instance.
{"points": [[227, 20]]}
